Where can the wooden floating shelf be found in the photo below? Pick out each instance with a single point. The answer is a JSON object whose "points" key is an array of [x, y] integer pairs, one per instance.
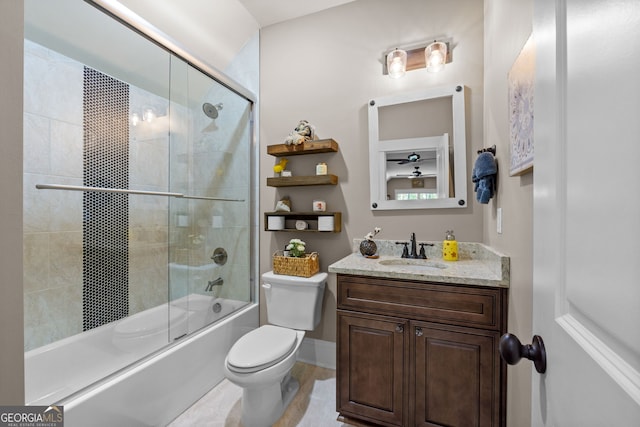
{"points": [[308, 147], [292, 181], [306, 216]]}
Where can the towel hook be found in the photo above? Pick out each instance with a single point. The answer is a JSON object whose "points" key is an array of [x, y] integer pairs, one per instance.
{"points": [[491, 149]]}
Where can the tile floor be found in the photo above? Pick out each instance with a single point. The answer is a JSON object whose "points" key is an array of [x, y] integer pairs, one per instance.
{"points": [[313, 406]]}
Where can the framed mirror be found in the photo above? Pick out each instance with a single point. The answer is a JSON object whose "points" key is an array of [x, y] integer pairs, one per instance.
{"points": [[417, 150]]}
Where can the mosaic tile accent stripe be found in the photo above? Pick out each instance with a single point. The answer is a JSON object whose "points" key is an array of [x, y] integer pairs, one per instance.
{"points": [[105, 293]]}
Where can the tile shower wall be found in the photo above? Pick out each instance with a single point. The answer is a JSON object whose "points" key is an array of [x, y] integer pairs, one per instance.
{"points": [[53, 220]]}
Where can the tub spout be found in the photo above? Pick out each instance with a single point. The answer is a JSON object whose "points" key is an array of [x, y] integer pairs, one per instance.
{"points": [[212, 283]]}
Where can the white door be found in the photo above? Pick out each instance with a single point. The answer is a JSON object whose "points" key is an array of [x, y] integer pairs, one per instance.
{"points": [[587, 212]]}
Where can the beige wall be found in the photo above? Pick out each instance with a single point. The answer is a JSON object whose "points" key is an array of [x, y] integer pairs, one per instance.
{"points": [[299, 80], [325, 68], [508, 24], [11, 323]]}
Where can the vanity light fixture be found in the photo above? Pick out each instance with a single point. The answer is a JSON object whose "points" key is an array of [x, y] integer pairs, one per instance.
{"points": [[432, 57], [435, 56], [397, 63]]}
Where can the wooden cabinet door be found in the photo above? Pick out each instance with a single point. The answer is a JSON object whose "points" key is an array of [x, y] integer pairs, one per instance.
{"points": [[455, 376], [372, 367]]}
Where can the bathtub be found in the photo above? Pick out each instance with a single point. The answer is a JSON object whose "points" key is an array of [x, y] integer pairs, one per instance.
{"points": [[150, 391]]}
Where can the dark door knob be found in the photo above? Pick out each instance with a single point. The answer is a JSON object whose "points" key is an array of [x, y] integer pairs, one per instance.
{"points": [[512, 350]]}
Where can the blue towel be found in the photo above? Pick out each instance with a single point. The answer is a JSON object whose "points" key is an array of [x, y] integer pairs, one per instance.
{"points": [[484, 176]]}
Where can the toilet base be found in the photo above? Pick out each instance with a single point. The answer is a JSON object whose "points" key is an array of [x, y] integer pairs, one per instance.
{"points": [[290, 387], [262, 407]]}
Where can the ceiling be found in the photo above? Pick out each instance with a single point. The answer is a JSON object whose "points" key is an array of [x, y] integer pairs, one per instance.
{"points": [[268, 12]]}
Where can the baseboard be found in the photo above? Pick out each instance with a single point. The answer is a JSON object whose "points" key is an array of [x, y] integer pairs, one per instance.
{"points": [[318, 352]]}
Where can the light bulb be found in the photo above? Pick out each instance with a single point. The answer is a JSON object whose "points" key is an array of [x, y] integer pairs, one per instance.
{"points": [[135, 119], [397, 63], [435, 59], [435, 56]]}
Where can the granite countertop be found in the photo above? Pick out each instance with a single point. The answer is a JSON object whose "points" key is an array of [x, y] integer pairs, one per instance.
{"points": [[477, 264]]}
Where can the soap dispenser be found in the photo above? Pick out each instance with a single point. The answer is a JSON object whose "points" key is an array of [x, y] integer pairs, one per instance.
{"points": [[450, 247]]}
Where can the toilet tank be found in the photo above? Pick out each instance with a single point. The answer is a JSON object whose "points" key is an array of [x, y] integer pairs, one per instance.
{"points": [[294, 302]]}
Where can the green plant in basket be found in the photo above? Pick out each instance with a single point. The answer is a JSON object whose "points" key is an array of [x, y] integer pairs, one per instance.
{"points": [[296, 248]]}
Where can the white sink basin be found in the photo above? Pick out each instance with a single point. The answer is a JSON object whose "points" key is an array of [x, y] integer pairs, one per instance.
{"points": [[413, 264]]}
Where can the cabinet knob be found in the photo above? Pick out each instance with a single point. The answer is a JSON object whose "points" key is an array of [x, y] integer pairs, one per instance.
{"points": [[512, 350], [399, 328], [419, 332]]}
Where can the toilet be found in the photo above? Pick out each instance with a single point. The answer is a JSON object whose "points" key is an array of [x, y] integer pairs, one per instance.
{"points": [[261, 361]]}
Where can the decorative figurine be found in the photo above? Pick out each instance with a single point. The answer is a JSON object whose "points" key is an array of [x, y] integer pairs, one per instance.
{"points": [[303, 132], [368, 247], [283, 205], [281, 165]]}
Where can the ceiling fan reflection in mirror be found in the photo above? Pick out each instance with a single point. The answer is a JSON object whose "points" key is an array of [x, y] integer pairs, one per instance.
{"points": [[416, 173], [411, 158]]}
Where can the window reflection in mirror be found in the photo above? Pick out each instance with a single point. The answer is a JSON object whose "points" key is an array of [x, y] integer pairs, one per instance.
{"points": [[418, 150]]}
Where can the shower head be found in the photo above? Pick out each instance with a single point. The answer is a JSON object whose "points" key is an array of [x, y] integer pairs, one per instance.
{"points": [[211, 110]]}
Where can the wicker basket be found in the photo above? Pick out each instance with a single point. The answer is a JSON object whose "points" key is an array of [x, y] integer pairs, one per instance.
{"points": [[294, 266]]}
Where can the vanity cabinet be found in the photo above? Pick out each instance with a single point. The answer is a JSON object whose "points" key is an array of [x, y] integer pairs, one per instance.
{"points": [[372, 366], [415, 353], [308, 147]]}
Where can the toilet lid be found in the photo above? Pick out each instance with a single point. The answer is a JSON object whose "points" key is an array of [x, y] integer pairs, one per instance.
{"points": [[261, 348]]}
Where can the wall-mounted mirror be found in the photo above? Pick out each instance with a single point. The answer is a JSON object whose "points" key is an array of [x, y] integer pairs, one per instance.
{"points": [[417, 150]]}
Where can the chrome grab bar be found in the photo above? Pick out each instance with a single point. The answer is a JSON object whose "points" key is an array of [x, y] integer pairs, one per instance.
{"points": [[121, 191]]}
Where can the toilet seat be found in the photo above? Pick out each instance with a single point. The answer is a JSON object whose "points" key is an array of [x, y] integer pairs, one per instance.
{"points": [[261, 348]]}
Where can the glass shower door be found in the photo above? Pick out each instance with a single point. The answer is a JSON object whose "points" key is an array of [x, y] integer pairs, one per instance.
{"points": [[130, 188], [210, 230]]}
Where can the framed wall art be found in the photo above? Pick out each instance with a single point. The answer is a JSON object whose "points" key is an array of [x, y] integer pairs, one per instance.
{"points": [[521, 81]]}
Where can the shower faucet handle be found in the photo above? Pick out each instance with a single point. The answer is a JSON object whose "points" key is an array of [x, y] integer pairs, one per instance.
{"points": [[219, 256]]}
